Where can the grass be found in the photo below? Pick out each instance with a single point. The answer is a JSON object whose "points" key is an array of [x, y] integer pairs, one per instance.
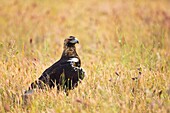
{"points": [[124, 47]]}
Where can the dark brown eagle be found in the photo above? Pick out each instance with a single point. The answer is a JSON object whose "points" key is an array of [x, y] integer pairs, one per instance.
{"points": [[65, 73]]}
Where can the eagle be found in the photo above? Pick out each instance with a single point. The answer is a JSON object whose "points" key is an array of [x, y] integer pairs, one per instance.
{"points": [[66, 73]]}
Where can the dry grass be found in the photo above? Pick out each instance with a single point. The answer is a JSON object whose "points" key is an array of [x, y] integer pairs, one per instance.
{"points": [[124, 47]]}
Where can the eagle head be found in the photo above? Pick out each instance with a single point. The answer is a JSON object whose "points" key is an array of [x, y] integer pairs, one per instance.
{"points": [[69, 47], [71, 41]]}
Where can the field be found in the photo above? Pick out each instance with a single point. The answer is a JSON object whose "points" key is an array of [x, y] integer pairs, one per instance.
{"points": [[124, 48]]}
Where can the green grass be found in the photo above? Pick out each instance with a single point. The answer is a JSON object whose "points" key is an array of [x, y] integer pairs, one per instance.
{"points": [[118, 40]]}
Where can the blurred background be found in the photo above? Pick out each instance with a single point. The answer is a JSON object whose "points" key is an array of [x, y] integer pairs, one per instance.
{"points": [[101, 26], [116, 36]]}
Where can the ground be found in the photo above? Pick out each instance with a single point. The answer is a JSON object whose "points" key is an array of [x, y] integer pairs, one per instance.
{"points": [[124, 48]]}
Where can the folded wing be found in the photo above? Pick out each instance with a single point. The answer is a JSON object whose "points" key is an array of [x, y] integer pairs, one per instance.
{"points": [[65, 73]]}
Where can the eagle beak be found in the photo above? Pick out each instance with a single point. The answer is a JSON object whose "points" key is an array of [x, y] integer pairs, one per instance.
{"points": [[77, 42], [74, 41]]}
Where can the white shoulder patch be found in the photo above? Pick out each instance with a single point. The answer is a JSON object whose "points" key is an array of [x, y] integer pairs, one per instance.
{"points": [[73, 60]]}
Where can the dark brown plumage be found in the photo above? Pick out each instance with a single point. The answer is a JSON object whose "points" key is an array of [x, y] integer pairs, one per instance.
{"points": [[65, 73]]}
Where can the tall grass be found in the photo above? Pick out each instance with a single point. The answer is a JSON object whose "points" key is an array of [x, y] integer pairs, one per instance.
{"points": [[124, 48]]}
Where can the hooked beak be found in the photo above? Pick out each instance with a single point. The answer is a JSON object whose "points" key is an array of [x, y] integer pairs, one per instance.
{"points": [[74, 41]]}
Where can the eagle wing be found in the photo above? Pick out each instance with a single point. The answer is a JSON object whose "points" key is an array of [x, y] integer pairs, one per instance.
{"points": [[64, 72]]}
